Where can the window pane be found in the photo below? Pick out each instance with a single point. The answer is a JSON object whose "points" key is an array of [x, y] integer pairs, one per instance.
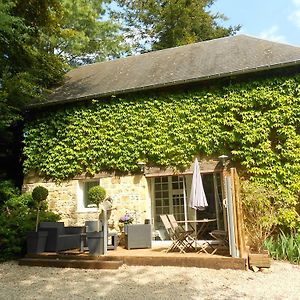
{"points": [[164, 186], [164, 179], [158, 194]]}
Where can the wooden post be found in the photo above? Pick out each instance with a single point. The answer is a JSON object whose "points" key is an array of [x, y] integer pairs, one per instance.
{"points": [[239, 215], [105, 231], [236, 221]]}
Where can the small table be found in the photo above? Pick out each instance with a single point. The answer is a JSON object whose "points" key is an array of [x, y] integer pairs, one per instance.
{"points": [[112, 242], [204, 223]]}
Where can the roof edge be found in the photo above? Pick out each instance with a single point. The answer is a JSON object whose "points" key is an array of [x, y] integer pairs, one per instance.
{"points": [[169, 84]]}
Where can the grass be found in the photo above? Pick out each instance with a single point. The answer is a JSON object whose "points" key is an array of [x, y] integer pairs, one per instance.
{"points": [[284, 247]]}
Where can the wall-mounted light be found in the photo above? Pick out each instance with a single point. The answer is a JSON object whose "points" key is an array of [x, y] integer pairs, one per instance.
{"points": [[141, 165], [223, 159]]}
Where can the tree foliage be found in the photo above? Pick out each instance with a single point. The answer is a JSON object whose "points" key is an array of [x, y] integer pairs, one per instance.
{"points": [[26, 70], [257, 123], [159, 24], [17, 217], [85, 37], [39, 39]]}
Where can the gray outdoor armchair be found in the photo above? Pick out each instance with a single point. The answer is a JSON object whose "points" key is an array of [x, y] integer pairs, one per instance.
{"points": [[60, 238], [138, 236]]}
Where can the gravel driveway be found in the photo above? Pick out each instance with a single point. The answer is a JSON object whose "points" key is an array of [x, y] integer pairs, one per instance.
{"points": [[282, 281]]}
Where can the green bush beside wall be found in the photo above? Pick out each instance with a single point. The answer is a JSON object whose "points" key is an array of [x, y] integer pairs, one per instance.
{"points": [[17, 217]]}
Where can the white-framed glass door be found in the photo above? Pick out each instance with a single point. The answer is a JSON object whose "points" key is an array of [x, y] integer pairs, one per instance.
{"points": [[168, 193], [167, 198]]}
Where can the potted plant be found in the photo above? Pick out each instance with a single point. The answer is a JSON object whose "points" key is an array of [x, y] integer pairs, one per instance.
{"points": [[123, 221], [96, 195], [36, 240]]}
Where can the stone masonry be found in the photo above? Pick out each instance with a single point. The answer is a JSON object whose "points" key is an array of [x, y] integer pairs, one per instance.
{"points": [[129, 193]]}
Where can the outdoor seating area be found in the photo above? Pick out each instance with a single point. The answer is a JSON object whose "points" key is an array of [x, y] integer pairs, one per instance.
{"points": [[68, 247], [186, 239], [62, 238], [182, 239], [154, 256]]}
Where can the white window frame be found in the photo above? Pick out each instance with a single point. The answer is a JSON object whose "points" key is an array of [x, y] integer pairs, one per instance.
{"points": [[80, 197]]}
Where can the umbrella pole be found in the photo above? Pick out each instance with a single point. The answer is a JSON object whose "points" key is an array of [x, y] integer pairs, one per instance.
{"points": [[185, 205]]}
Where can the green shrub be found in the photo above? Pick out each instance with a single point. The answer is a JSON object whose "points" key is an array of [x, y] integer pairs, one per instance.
{"points": [[96, 195], [39, 194], [284, 247], [7, 190], [265, 210], [17, 217], [260, 213]]}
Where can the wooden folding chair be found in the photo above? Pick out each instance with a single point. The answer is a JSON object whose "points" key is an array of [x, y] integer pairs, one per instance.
{"points": [[179, 239], [221, 236], [188, 234]]}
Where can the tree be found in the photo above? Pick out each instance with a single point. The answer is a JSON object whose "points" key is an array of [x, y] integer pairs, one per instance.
{"points": [[27, 68], [85, 36], [159, 24], [39, 40]]}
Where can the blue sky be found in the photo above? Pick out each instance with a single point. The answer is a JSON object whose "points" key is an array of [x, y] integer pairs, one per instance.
{"points": [[276, 20]]}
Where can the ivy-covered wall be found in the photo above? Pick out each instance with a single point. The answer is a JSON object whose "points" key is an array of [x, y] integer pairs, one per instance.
{"points": [[256, 123]]}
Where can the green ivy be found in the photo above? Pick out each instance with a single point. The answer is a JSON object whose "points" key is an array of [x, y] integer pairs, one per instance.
{"points": [[257, 123]]}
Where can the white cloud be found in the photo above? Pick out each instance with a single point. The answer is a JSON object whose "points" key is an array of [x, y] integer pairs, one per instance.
{"points": [[296, 2], [272, 34], [295, 17]]}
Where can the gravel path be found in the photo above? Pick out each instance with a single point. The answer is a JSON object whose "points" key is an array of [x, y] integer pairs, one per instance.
{"points": [[282, 281]]}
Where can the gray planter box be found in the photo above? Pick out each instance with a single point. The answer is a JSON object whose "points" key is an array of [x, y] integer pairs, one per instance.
{"points": [[36, 241], [138, 236], [95, 242]]}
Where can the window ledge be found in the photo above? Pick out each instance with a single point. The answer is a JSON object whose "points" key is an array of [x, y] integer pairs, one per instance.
{"points": [[86, 210]]}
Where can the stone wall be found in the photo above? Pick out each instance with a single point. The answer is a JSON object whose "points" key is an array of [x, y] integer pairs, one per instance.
{"points": [[129, 193]]}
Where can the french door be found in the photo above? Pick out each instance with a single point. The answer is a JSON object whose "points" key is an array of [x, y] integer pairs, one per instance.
{"points": [[168, 198], [170, 195]]}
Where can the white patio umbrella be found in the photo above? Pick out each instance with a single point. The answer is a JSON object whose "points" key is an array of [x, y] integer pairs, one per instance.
{"points": [[197, 198]]}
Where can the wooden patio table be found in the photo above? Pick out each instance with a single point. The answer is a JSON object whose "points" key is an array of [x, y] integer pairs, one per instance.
{"points": [[198, 233]]}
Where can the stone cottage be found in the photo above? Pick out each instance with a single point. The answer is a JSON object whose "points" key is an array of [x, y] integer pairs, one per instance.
{"points": [[142, 159]]}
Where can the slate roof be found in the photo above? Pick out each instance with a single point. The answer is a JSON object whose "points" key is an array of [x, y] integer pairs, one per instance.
{"points": [[191, 63]]}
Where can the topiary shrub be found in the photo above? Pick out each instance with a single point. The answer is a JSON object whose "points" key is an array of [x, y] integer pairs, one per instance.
{"points": [[96, 195], [39, 194]]}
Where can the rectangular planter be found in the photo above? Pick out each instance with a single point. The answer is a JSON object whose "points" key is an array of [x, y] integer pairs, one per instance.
{"points": [[259, 260], [95, 242], [36, 241]]}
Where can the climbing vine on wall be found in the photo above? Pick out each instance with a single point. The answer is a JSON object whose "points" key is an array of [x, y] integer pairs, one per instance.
{"points": [[257, 123]]}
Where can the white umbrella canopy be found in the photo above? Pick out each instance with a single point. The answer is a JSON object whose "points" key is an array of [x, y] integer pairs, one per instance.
{"points": [[197, 198]]}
